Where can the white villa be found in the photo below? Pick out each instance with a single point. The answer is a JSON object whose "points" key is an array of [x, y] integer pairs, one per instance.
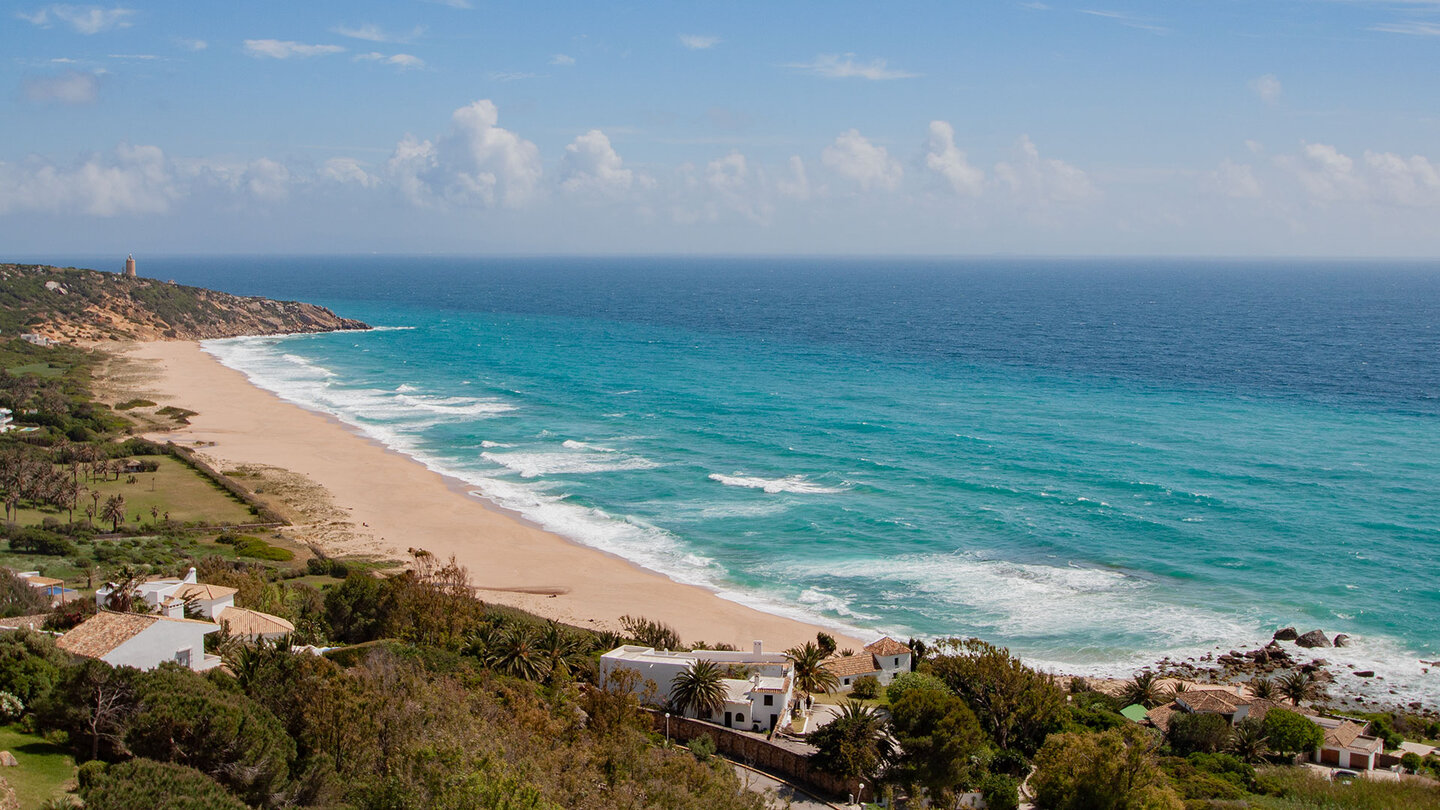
{"points": [[883, 660], [168, 597], [141, 640], [758, 700], [7, 420]]}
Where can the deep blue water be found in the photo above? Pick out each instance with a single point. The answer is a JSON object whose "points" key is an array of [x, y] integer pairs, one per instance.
{"points": [[1094, 462]]}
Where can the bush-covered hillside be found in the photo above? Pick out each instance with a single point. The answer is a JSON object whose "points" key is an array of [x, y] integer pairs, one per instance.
{"points": [[74, 304]]}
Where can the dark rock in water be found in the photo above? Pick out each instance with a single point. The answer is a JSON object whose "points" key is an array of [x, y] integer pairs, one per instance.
{"points": [[1286, 634], [1365, 673], [1273, 645], [1314, 638], [1342, 640]]}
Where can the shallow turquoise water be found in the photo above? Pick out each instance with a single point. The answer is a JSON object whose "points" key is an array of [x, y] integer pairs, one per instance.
{"points": [[1262, 455]]}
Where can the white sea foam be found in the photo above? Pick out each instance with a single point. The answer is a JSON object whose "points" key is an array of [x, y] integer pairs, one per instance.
{"points": [[489, 444], [532, 464], [571, 444], [794, 484]]}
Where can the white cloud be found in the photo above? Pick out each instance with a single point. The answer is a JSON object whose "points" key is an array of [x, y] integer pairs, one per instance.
{"points": [[511, 76], [192, 44], [403, 61], [870, 166], [284, 49], [476, 164], [83, 19], [562, 60], [797, 184], [347, 171], [695, 42], [1127, 20], [374, 33], [1267, 87], [1235, 180], [1328, 175], [591, 166], [1415, 29], [72, 87], [266, 180], [1039, 181], [948, 161], [132, 180], [833, 66], [1412, 181]]}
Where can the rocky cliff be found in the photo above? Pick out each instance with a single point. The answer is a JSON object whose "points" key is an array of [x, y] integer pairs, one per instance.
{"points": [[71, 304]]}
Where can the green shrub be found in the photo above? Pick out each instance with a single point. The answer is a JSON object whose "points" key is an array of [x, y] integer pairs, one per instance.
{"points": [[134, 403], [866, 687], [147, 783], [703, 747], [261, 550], [1001, 792], [907, 681], [40, 541], [11, 708], [1411, 761]]}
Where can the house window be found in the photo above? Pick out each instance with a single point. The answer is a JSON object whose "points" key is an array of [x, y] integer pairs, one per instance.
{"points": [[769, 700], [183, 657], [847, 681], [739, 717], [897, 662]]}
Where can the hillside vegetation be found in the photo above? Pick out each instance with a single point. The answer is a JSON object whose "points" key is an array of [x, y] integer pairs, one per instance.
{"points": [[90, 305]]}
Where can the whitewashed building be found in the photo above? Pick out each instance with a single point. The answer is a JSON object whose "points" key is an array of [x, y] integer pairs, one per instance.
{"points": [[757, 698], [141, 640], [169, 598], [882, 660]]}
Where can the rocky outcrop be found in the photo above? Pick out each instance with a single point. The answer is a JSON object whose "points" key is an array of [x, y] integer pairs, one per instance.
{"points": [[1341, 640], [109, 306], [1313, 639], [1286, 634]]}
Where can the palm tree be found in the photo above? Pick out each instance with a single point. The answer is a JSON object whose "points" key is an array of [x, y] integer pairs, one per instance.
{"points": [[114, 511], [1248, 740], [811, 675], [1299, 685], [154, 514], [700, 688], [561, 649], [856, 744], [1144, 689], [518, 653], [1178, 688], [1264, 688]]}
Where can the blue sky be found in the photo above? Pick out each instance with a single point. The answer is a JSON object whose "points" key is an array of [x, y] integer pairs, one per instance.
{"points": [[1238, 127]]}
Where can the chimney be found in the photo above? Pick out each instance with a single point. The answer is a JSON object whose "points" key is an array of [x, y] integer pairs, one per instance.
{"points": [[190, 576], [759, 648]]}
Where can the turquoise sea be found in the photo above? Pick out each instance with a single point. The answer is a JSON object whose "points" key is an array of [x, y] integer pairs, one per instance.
{"points": [[1093, 462]]}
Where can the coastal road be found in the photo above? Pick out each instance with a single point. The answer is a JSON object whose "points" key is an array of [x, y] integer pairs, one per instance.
{"points": [[763, 783]]}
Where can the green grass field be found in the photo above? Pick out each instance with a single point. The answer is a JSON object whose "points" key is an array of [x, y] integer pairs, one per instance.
{"points": [[39, 370], [174, 487], [45, 769]]}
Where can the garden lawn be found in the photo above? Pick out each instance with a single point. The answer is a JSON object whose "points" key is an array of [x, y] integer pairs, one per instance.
{"points": [[45, 771], [175, 488]]}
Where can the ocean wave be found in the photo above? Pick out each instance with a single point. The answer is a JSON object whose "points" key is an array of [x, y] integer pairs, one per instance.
{"points": [[571, 444], [531, 465], [794, 484]]}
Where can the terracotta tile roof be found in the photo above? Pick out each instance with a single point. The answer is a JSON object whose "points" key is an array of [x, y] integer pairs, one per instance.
{"points": [[1343, 735], [98, 635], [244, 622], [1259, 707], [1160, 715], [1211, 701], [887, 646], [22, 622], [852, 665], [205, 592]]}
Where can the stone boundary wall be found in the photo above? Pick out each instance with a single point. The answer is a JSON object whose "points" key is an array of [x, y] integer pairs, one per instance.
{"points": [[755, 752]]}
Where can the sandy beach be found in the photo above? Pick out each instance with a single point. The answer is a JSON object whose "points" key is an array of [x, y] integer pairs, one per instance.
{"points": [[392, 503]]}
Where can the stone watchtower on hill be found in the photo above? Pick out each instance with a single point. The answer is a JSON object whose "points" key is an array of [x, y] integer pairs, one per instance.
{"points": [[130, 266]]}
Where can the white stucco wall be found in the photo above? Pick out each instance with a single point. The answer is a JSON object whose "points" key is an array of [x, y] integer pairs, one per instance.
{"points": [[159, 643]]}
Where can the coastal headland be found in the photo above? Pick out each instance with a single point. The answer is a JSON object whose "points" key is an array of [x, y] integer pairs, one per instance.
{"points": [[393, 503]]}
